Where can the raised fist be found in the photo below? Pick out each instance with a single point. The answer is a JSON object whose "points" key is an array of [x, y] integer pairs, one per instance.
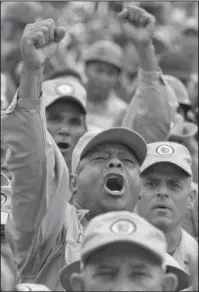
{"points": [[39, 42], [138, 24]]}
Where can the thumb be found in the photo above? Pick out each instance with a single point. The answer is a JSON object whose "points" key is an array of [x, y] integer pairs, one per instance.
{"points": [[123, 14], [59, 34]]}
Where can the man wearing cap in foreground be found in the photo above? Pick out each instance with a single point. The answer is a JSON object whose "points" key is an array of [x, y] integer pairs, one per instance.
{"points": [[166, 182], [123, 252], [45, 231]]}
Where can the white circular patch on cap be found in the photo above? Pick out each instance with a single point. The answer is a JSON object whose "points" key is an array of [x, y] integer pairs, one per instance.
{"points": [[3, 199], [123, 226], [65, 89], [165, 150]]}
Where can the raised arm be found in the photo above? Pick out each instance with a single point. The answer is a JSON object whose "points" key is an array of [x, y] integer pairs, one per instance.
{"points": [[40, 175], [150, 111]]}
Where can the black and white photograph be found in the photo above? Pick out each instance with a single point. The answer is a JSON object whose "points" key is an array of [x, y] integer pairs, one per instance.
{"points": [[99, 146]]}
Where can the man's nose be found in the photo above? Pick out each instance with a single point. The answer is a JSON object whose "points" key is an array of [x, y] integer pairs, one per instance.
{"points": [[115, 163], [163, 192], [64, 130], [124, 285]]}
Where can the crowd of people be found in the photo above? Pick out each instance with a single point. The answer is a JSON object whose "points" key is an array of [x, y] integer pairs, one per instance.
{"points": [[99, 146]]}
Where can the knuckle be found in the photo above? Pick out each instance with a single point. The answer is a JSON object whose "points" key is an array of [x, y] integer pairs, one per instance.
{"points": [[50, 22], [39, 34]]}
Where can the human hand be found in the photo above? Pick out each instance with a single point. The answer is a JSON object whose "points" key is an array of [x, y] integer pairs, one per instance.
{"points": [[139, 25], [39, 42]]}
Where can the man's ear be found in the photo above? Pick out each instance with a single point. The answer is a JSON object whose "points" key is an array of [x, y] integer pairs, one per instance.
{"points": [[73, 182], [77, 282], [170, 282], [192, 198]]}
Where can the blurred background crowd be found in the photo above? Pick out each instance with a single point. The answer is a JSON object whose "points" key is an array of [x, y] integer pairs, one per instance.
{"points": [[86, 23]]}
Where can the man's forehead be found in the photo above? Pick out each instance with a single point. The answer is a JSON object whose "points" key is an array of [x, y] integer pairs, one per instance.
{"points": [[110, 146], [114, 252]]}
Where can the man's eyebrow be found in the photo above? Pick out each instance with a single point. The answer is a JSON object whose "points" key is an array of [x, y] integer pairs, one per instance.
{"points": [[138, 266], [106, 266]]}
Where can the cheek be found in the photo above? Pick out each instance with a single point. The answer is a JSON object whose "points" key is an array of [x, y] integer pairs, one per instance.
{"points": [[78, 131], [147, 193], [89, 178], [134, 180], [181, 203], [53, 127], [144, 204]]}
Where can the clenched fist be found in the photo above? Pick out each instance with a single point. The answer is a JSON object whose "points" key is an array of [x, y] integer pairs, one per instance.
{"points": [[138, 24], [39, 42]]}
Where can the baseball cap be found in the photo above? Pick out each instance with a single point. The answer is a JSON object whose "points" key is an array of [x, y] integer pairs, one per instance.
{"points": [[96, 136], [105, 51], [170, 152], [172, 266], [66, 87], [115, 227], [183, 131]]}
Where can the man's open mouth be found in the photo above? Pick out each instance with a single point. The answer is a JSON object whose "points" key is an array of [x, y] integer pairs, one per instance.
{"points": [[162, 207], [63, 146], [115, 184]]}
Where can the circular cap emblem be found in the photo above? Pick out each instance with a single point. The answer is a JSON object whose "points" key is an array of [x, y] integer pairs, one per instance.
{"points": [[165, 150], [3, 199], [65, 89], [123, 226]]}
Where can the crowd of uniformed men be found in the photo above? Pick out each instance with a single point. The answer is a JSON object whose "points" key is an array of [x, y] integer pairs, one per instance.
{"points": [[99, 146]]}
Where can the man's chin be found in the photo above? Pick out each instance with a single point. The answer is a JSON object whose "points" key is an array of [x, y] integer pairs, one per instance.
{"points": [[161, 223]]}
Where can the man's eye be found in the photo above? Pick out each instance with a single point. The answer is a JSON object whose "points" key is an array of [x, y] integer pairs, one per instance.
{"points": [[150, 183], [99, 157], [136, 274], [130, 160], [55, 118], [175, 185], [106, 274], [75, 121]]}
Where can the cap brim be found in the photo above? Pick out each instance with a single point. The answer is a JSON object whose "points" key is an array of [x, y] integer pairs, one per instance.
{"points": [[4, 217], [66, 273], [166, 160], [123, 136], [183, 277], [191, 130], [50, 101]]}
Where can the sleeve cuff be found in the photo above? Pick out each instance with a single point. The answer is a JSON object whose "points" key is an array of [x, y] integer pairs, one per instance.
{"points": [[25, 103], [149, 76]]}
